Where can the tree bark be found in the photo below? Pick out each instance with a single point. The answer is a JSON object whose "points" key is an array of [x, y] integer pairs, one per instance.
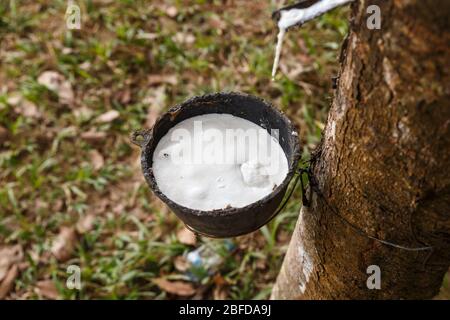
{"points": [[383, 164]]}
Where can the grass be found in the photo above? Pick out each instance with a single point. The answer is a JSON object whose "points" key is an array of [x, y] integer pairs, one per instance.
{"points": [[139, 59]]}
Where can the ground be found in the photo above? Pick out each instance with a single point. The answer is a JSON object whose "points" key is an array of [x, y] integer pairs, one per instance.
{"points": [[71, 190]]}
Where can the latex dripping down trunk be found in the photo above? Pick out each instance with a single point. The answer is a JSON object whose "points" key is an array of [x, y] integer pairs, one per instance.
{"points": [[296, 15]]}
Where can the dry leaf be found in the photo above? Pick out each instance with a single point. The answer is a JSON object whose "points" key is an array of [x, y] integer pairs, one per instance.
{"points": [[3, 134], [219, 293], [155, 100], [156, 96], [219, 280], [67, 50], [9, 256], [28, 109], [186, 236], [181, 264], [93, 136], [125, 96], [108, 116], [85, 224], [34, 255], [155, 79], [119, 208], [14, 99], [85, 65], [152, 116], [96, 159], [8, 281], [146, 35], [183, 289], [83, 113], [189, 38], [217, 23], [58, 204], [40, 204], [172, 11], [57, 83], [184, 38], [283, 237], [64, 244], [47, 289], [100, 205], [260, 264]]}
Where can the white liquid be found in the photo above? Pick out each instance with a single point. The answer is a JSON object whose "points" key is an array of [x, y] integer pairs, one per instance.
{"points": [[280, 37], [292, 17], [252, 170]]}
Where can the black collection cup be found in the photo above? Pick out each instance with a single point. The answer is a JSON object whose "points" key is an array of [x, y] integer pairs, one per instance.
{"points": [[227, 222]]}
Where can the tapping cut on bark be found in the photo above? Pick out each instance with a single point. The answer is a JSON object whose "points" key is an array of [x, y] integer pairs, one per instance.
{"points": [[383, 164]]}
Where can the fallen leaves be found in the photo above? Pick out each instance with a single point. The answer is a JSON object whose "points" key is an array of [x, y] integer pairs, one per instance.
{"points": [[124, 96], [216, 22], [180, 288], [97, 159], [181, 263], [108, 116], [186, 236], [220, 287], [10, 257], [7, 284], [220, 293], [93, 136], [3, 134], [14, 99], [47, 289], [156, 79], [86, 65], [156, 97], [146, 35], [172, 11], [85, 224], [56, 82], [152, 116], [28, 109], [83, 113], [184, 38], [155, 100], [64, 244], [23, 106]]}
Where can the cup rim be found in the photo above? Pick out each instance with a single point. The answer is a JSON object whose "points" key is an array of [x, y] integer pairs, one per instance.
{"points": [[147, 169]]}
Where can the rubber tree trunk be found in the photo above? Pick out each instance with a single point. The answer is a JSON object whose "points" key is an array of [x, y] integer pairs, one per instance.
{"points": [[383, 164]]}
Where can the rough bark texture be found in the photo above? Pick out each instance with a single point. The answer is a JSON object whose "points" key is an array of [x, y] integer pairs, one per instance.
{"points": [[383, 164]]}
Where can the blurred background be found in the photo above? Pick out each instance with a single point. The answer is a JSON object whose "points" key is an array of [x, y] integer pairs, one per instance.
{"points": [[71, 189]]}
